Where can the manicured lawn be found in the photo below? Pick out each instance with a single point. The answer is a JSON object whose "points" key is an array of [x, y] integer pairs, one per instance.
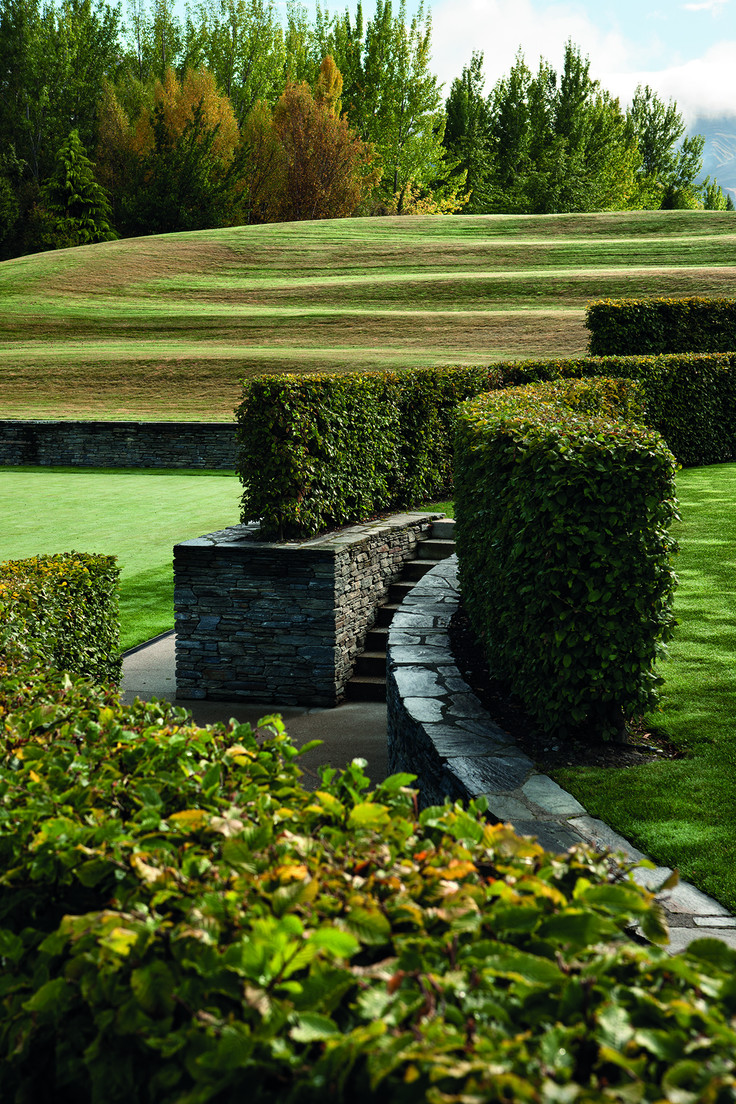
{"points": [[135, 515], [166, 326], [683, 812]]}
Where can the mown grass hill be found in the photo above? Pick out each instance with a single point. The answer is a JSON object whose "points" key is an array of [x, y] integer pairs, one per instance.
{"points": [[165, 327]]}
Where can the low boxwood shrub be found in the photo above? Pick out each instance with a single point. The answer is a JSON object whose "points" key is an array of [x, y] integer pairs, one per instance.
{"points": [[65, 607], [181, 921], [563, 503], [637, 327]]}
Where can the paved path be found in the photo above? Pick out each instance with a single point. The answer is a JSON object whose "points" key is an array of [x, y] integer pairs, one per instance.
{"points": [[352, 730]]}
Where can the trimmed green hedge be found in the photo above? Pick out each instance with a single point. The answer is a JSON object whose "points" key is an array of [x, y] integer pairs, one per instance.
{"points": [[563, 503], [322, 451], [318, 452], [65, 608], [690, 398], [182, 922], [637, 327]]}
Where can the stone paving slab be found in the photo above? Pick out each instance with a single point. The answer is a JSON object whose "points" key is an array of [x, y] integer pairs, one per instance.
{"points": [[465, 752]]}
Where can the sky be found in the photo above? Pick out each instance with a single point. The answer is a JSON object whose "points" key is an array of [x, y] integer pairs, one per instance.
{"points": [[684, 49]]}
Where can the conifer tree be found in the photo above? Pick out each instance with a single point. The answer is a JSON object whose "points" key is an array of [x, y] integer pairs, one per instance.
{"points": [[76, 210]]}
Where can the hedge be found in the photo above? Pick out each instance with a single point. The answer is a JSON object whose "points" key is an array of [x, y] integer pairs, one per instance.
{"points": [[181, 922], [65, 608], [563, 503], [622, 327], [318, 452]]}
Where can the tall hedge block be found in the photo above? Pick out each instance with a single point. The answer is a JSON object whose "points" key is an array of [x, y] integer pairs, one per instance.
{"points": [[693, 324], [64, 608], [318, 451], [563, 502]]}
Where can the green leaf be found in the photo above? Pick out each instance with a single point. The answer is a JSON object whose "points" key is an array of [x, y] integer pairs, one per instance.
{"points": [[153, 987], [368, 814], [577, 928], [370, 925], [523, 967], [54, 995], [311, 1027], [336, 941]]}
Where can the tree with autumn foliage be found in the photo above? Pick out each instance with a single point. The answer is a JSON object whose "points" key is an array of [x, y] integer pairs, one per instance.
{"points": [[174, 167], [326, 170]]}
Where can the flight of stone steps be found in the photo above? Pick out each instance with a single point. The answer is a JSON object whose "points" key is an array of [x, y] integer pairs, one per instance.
{"points": [[369, 677]]}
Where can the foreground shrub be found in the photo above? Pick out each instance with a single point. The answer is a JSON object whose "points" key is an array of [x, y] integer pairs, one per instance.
{"points": [[637, 327], [181, 921], [563, 503], [65, 608]]}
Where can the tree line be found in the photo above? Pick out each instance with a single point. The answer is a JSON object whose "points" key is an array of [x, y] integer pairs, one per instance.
{"points": [[116, 127]]}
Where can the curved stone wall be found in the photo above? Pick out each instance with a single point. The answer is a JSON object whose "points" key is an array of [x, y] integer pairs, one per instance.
{"points": [[438, 730]]}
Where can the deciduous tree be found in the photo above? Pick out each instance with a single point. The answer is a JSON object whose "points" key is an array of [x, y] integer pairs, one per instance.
{"points": [[467, 136], [329, 170], [671, 163], [559, 142], [174, 167], [241, 42], [391, 96]]}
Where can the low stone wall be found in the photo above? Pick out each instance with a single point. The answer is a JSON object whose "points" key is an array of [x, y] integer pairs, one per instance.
{"points": [[119, 444], [283, 622], [439, 731]]}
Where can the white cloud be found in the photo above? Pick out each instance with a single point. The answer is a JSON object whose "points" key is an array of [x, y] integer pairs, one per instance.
{"points": [[701, 87], [706, 5], [499, 28]]}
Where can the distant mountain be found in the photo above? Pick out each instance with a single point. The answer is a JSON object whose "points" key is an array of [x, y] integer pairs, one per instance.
{"points": [[719, 154]]}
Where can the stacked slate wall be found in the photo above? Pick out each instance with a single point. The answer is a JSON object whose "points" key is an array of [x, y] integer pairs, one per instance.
{"points": [[283, 622], [208, 445]]}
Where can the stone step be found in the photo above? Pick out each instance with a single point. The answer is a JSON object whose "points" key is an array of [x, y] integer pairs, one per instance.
{"points": [[444, 529], [376, 639], [398, 591], [415, 569], [371, 663], [385, 614], [435, 550], [366, 688]]}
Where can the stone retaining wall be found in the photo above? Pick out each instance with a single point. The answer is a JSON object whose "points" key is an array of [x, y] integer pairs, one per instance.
{"points": [[283, 622], [118, 444]]}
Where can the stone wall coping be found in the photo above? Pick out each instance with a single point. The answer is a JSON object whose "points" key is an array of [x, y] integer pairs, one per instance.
{"points": [[465, 755], [236, 537], [109, 423]]}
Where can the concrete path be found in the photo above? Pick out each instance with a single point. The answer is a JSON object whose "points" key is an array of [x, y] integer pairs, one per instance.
{"points": [[352, 730]]}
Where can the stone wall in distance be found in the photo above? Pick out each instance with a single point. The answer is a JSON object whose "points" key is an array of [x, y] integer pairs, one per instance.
{"points": [[97, 444]]}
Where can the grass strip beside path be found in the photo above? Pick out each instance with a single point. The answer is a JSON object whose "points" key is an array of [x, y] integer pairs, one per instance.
{"points": [[683, 812], [135, 514]]}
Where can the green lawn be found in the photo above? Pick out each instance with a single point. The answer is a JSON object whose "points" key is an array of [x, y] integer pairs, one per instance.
{"points": [[166, 326], [136, 515], [683, 812]]}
